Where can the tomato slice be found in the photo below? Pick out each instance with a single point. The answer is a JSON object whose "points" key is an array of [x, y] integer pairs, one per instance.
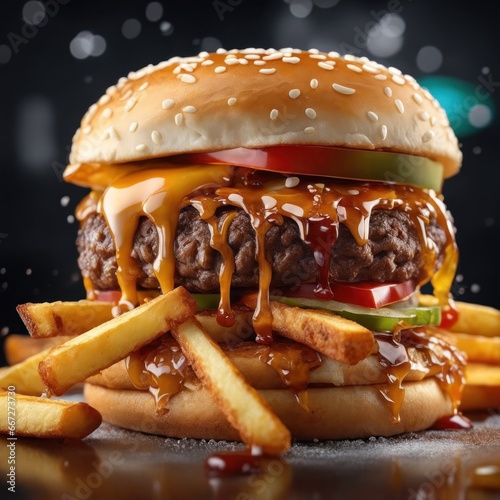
{"points": [[363, 293], [328, 161]]}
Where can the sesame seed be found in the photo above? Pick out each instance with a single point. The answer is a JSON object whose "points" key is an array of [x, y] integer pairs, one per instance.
{"points": [[291, 60], [231, 61], [333, 54], [314, 83], [133, 126], [317, 56], [107, 113], [433, 121], [309, 130], [291, 182], [242, 61], [259, 63], [144, 86], [428, 136], [267, 71], [273, 56], [274, 114], [294, 93], [231, 101], [353, 191], [220, 69], [252, 57], [343, 90], [393, 71], [417, 98], [313, 51], [370, 69], [381, 77], [423, 115], [186, 78], [373, 116], [127, 94], [324, 65], [105, 135], [220, 50], [399, 105], [104, 99], [113, 133], [398, 79], [384, 132], [310, 113], [208, 62], [167, 103], [130, 103], [156, 136], [388, 91], [350, 57], [141, 147], [179, 119], [87, 130], [189, 109], [355, 68]]}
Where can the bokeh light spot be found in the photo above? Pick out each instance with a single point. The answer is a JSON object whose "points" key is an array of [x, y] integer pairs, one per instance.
{"points": [[429, 59], [131, 28], [154, 11], [301, 8], [34, 13]]}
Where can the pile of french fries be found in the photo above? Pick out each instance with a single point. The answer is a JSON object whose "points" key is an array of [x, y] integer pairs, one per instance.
{"points": [[477, 333], [73, 341], [76, 340]]}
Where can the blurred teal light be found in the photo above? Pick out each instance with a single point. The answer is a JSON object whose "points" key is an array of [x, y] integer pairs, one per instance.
{"points": [[469, 106]]}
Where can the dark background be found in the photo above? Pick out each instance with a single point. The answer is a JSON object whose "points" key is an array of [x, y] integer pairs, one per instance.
{"points": [[51, 72]]}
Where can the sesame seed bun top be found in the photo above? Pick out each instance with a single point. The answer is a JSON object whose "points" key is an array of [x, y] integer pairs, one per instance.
{"points": [[254, 98]]}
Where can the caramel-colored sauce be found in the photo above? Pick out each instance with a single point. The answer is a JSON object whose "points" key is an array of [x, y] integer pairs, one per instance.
{"points": [[158, 194], [316, 207], [445, 362], [161, 368], [293, 362], [393, 358]]}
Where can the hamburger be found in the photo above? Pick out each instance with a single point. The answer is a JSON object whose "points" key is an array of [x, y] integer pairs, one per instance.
{"points": [[297, 196]]}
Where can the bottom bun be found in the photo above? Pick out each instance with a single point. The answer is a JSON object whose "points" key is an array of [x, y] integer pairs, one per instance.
{"points": [[335, 412]]}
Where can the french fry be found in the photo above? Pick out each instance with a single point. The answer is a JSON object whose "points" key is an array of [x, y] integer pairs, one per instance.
{"points": [[480, 397], [104, 345], [477, 347], [474, 319], [24, 376], [482, 374], [242, 405], [338, 338], [46, 418], [18, 347], [50, 319]]}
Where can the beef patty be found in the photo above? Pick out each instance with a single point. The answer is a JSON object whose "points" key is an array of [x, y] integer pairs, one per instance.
{"points": [[392, 254]]}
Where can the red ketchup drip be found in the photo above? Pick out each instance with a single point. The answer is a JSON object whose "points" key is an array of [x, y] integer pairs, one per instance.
{"points": [[322, 233], [453, 422], [232, 463], [449, 315]]}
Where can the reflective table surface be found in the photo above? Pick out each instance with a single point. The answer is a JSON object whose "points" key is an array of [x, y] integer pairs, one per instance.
{"points": [[116, 463]]}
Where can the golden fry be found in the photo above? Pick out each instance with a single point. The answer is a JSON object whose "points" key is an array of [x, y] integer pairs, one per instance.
{"points": [[104, 345], [474, 319], [242, 405], [477, 347], [46, 418], [50, 319], [338, 338], [19, 347]]}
